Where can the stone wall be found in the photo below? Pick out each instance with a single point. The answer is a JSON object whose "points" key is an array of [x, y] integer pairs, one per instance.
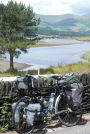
{"points": [[85, 79], [8, 89], [8, 95]]}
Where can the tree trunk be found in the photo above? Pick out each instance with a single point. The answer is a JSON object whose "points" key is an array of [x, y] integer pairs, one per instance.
{"points": [[11, 61]]}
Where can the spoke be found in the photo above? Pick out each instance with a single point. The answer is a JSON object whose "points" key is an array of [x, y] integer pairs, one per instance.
{"points": [[67, 115], [65, 118], [63, 111], [31, 131], [70, 117]]}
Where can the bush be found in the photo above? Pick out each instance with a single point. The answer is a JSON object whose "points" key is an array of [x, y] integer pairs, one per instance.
{"points": [[6, 115]]}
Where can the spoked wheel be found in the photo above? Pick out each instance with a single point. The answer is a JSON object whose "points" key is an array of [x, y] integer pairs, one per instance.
{"points": [[21, 121], [67, 116]]}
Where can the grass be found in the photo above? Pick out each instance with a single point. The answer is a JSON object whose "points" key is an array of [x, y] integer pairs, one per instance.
{"points": [[86, 56], [15, 72], [77, 67], [82, 38]]}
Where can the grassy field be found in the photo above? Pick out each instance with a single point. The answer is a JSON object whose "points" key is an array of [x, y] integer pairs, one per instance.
{"points": [[77, 67]]}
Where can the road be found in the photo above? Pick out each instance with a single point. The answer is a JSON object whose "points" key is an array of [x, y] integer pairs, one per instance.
{"points": [[79, 129]]}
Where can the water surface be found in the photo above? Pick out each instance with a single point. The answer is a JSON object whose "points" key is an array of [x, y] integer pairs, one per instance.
{"points": [[55, 55]]}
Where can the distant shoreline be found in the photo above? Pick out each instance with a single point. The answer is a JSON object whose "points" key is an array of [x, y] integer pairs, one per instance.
{"points": [[82, 38], [46, 44], [4, 65], [50, 44]]}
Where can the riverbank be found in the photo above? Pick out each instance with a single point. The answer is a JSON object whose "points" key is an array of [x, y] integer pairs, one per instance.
{"points": [[49, 44], [46, 44], [4, 65], [81, 38], [86, 56], [81, 67]]}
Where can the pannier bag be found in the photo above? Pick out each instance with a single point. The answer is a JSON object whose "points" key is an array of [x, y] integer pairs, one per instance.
{"points": [[24, 82], [77, 90], [33, 110]]}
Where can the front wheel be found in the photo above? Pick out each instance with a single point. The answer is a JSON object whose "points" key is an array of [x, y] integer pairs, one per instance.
{"points": [[67, 116], [21, 121]]}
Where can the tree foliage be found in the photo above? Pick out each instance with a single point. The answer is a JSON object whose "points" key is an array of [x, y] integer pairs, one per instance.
{"points": [[18, 26]]}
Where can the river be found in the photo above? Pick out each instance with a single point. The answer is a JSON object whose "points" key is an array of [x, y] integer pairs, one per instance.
{"points": [[55, 55]]}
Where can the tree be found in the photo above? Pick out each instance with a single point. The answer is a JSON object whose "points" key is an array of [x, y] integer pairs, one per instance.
{"points": [[18, 27]]}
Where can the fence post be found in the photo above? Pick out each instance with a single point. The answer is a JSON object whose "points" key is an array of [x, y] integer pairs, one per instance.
{"points": [[38, 74]]}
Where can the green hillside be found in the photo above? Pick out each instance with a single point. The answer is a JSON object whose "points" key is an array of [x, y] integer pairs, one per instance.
{"points": [[64, 25]]}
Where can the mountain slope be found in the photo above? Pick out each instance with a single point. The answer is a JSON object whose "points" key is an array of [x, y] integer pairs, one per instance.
{"points": [[66, 24]]}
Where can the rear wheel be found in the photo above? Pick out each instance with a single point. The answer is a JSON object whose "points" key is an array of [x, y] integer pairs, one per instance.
{"points": [[67, 116], [20, 116]]}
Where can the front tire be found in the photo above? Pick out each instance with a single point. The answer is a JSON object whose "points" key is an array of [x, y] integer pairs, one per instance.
{"points": [[21, 125], [68, 116]]}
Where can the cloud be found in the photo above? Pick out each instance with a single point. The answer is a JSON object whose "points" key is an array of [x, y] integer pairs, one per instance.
{"points": [[57, 6], [61, 6], [81, 7], [50, 7]]}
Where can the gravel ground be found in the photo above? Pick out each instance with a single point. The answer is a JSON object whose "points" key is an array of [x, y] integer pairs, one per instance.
{"points": [[58, 129], [4, 65], [54, 129]]}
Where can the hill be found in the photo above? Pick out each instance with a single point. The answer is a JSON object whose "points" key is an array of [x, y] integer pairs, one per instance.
{"points": [[64, 25]]}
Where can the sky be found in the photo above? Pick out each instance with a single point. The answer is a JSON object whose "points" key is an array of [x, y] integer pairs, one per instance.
{"points": [[57, 7]]}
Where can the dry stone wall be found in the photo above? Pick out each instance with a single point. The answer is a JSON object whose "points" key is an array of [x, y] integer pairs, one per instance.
{"points": [[85, 79], [8, 95]]}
